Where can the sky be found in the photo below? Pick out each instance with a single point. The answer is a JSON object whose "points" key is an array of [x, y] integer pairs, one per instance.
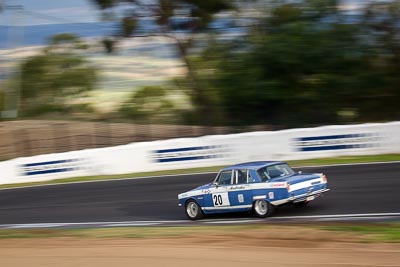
{"points": [[51, 11], [58, 11]]}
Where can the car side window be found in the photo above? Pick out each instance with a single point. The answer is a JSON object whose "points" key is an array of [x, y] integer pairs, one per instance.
{"points": [[273, 172], [250, 178], [241, 176], [263, 174], [224, 178]]}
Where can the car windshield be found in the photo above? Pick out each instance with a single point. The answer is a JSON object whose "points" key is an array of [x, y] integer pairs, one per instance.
{"points": [[277, 170]]}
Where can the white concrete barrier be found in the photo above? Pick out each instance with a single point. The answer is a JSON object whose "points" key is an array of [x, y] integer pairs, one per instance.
{"points": [[319, 142]]}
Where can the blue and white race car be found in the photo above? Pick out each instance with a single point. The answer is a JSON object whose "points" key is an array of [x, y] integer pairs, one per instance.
{"points": [[254, 186]]}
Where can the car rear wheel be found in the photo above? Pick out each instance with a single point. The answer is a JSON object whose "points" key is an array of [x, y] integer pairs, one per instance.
{"points": [[193, 210], [262, 208]]}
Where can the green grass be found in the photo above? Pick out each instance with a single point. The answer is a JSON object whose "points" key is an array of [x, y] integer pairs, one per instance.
{"points": [[368, 232], [118, 232], [372, 232], [294, 163]]}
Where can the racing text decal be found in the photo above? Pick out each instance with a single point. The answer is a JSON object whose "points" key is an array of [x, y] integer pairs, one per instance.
{"points": [[335, 142], [190, 153], [47, 167]]}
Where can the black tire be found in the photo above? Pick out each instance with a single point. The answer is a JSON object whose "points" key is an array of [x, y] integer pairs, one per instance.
{"points": [[262, 208], [193, 210]]}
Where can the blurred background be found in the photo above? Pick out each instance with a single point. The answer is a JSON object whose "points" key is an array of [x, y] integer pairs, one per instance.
{"points": [[93, 73]]}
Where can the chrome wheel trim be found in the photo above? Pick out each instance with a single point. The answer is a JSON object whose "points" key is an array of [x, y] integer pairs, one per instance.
{"points": [[192, 209], [261, 207]]}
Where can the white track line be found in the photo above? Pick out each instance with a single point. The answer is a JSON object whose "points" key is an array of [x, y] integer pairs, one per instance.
{"points": [[82, 224], [357, 215], [188, 174], [188, 222], [232, 221]]}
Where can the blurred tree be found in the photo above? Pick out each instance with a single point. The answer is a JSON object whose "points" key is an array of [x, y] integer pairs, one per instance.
{"points": [[381, 93], [66, 43], [149, 104], [48, 79], [1, 99], [305, 64], [173, 17]]}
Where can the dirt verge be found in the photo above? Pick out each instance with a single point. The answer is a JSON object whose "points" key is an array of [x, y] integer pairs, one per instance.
{"points": [[280, 246]]}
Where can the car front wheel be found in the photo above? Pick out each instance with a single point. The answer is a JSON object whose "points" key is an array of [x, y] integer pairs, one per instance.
{"points": [[262, 208], [193, 210]]}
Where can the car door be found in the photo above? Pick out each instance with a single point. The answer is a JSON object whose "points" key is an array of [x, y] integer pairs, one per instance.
{"points": [[218, 198], [240, 194]]}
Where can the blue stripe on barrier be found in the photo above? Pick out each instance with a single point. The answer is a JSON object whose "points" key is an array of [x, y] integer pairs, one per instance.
{"points": [[330, 137], [182, 159], [334, 147], [183, 149], [188, 158], [49, 171], [46, 163]]}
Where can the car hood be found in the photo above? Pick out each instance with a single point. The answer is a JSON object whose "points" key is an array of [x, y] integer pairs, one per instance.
{"points": [[205, 186], [297, 178]]}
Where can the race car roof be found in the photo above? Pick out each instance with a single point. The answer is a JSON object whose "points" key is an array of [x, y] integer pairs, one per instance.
{"points": [[252, 165]]}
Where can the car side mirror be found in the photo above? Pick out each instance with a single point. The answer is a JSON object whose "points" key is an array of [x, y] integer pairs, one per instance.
{"points": [[215, 184]]}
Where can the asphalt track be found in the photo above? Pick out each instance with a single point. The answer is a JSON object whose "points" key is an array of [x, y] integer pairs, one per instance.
{"points": [[355, 189]]}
